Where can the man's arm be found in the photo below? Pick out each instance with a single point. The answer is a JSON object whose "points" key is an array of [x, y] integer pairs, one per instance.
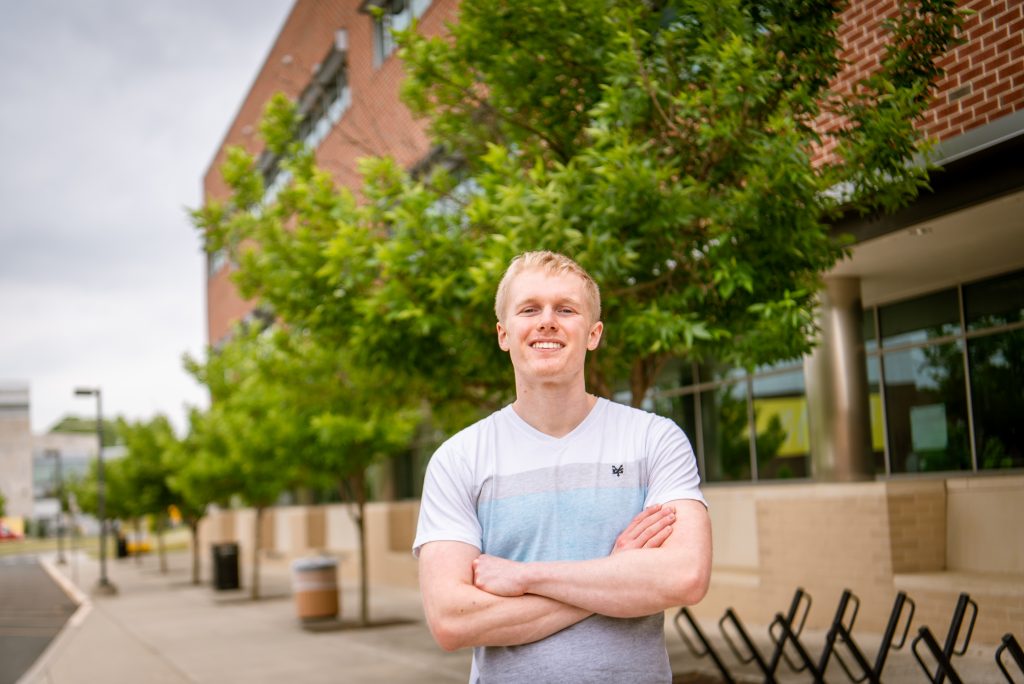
{"points": [[459, 614], [629, 584]]}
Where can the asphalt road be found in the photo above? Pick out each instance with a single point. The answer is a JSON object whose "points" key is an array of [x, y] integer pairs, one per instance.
{"points": [[32, 610]]}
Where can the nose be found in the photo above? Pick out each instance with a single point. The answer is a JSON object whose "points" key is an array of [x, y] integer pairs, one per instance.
{"points": [[547, 319]]}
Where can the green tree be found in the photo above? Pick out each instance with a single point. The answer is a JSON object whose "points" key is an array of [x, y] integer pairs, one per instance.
{"points": [[200, 474], [146, 472], [356, 421], [670, 147], [251, 421]]}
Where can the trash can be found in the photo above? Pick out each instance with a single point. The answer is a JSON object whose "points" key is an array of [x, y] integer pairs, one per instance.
{"points": [[122, 545], [225, 565], [315, 584]]}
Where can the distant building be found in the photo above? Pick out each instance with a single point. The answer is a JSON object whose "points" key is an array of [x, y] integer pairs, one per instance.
{"points": [[912, 403], [15, 449], [76, 452]]}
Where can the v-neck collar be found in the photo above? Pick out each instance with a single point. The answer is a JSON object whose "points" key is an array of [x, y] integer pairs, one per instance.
{"points": [[517, 420]]}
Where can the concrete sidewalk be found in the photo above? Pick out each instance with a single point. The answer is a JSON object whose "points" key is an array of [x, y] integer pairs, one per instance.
{"points": [[160, 628]]}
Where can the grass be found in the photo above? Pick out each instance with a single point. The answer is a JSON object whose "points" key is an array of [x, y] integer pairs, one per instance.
{"points": [[177, 539], [32, 546]]}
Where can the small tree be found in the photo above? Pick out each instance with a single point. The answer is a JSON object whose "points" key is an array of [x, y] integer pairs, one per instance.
{"points": [[146, 472], [200, 474], [253, 422], [355, 419]]}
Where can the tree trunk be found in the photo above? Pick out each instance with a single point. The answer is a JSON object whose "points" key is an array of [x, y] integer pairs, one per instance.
{"points": [[597, 383], [642, 375], [161, 527], [358, 513], [256, 555], [193, 526], [364, 574], [137, 524]]}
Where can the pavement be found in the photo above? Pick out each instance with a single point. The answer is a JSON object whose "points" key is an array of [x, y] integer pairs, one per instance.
{"points": [[32, 612], [160, 628]]}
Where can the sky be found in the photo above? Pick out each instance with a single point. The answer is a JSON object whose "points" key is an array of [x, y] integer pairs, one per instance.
{"points": [[110, 112]]}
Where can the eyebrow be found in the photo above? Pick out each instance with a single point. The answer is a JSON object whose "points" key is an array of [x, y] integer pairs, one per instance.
{"points": [[561, 300]]}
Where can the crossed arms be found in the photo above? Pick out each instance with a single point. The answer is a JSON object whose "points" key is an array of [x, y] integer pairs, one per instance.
{"points": [[662, 559]]}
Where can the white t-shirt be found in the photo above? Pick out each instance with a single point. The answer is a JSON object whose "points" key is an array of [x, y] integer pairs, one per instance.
{"points": [[514, 492]]}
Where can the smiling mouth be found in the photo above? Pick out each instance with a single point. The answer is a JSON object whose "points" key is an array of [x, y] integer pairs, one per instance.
{"points": [[547, 345]]}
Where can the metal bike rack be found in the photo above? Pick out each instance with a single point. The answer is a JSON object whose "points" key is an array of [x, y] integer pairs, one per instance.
{"points": [[944, 656], [801, 600], [1010, 646], [841, 631], [705, 646]]}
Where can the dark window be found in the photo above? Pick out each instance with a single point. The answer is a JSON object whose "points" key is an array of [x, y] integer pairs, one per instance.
{"points": [[997, 398], [999, 301], [925, 409], [920, 319], [726, 433]]}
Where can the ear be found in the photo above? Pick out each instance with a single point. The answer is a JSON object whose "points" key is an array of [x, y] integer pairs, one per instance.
{"points": [[594, 338], [502, 337]]}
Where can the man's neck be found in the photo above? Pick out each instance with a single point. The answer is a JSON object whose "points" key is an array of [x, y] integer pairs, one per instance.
{"points": [[555, 411]]}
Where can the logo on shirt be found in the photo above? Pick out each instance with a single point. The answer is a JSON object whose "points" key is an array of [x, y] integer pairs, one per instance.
{"points": [[617, 470]]}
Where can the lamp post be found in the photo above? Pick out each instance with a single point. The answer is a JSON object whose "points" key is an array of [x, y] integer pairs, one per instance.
{"points": [[103, 586], [59, 477]]}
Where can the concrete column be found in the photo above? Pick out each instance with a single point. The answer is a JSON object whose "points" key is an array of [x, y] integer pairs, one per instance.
{"points": [[837, 387]]}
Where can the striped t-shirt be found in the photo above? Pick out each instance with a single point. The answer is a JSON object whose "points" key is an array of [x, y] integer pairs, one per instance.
{"points": [[514, 492]]}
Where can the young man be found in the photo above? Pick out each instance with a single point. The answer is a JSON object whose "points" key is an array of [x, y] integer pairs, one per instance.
{"points": [[553, 533]]}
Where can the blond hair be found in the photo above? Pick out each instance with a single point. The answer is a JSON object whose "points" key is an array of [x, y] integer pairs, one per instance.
{"points": [[552, 263]]}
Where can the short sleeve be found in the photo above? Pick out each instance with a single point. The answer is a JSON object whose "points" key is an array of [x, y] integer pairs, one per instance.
{"points": [[447, 508], [672, 466]]}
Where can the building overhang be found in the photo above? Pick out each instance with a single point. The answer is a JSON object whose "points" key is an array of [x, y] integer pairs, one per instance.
{"points": [[970, 224]]}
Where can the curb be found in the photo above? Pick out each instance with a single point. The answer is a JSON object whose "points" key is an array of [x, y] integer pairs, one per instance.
{"points": [[67, 632]]}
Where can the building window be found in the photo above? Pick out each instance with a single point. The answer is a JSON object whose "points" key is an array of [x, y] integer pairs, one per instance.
{"points": [[392, 15], [926, 409], [952, 364], [994, 309], [742, 427], [944, 377], [781, 438], [320, 107], [216, 261]]}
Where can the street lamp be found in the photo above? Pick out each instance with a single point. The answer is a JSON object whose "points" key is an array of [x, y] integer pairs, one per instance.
{"points": [[103, 586], [59, 477]]}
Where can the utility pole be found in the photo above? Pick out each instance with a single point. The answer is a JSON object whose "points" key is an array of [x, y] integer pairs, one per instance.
{"points": [[104, 585]]}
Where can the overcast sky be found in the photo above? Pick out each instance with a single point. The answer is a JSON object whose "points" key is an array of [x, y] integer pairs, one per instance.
{"points": [[110, 111]]}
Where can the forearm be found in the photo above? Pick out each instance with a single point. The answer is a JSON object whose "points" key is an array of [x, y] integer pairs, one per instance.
{"points": [[460, 614], [628, 584], [471, 617]]}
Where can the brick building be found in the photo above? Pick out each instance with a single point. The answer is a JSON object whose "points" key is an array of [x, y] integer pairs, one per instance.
{"points": [[903, 453]]}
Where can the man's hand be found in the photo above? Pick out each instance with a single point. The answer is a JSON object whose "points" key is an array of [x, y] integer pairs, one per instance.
{"points": [[498, 576], [648, 530]]}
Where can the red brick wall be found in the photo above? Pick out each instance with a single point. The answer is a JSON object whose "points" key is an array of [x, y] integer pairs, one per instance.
{"points": [[984, 76], [376, 123]]}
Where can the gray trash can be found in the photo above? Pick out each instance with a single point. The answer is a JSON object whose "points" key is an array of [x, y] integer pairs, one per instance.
{"points": [[225, 565], [315, 585]]}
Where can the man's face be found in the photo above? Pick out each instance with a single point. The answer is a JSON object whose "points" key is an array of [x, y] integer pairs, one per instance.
{"points": [[547, 327]]}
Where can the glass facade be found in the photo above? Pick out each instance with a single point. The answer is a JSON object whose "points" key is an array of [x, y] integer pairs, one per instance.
{"points": [[945, 378]]}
